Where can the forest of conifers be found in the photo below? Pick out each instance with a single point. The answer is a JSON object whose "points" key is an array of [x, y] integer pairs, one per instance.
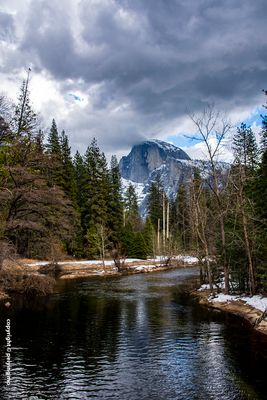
{"points": [[53, 205]]}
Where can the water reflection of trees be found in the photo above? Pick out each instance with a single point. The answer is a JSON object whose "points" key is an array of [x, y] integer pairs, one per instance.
{"points": [[86, 327], [87, 331]]}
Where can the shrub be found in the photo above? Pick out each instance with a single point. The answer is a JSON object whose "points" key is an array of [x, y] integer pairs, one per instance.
{"points": [[20, 282]]}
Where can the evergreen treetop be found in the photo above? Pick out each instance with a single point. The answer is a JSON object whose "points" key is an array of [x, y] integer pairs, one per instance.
{"points": [[53, 142], [25, 119], [245, 147]]}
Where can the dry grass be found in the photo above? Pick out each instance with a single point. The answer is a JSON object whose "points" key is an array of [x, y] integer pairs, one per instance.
{"points": [[15, 279]]}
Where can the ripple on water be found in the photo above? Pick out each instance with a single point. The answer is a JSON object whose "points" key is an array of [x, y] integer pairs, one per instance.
{"points": [[130, 338]]}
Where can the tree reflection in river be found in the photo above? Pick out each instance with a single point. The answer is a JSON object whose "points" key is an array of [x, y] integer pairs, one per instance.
{"points": [[133, 337]]}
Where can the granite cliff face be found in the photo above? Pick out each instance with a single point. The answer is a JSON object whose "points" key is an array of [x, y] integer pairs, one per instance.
{"points": [[155, 157], [148, 156]]}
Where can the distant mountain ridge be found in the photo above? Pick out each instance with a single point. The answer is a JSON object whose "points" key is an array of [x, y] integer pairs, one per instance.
{"points": [[156, 157]]}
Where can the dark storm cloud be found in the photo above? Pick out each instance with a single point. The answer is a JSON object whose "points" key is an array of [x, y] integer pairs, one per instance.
{"points": [[158, 57], [48, 37], [153, 48], [6, 27]]}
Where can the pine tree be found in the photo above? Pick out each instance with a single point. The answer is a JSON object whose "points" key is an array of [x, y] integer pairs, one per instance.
{"points": [[261, 217], [53, 149], [97, 184], [53, 142], [128, 240], [80, 179], [96, 188], [131, 208], [6, 134], [180, 217], [245, 147], [115, 205], [243, 176], [139, 249], [68, 179], [149, 235], [133, 243], [39, 142], [155, 196], [264, 134], [261, 209], [261, 187], [25, 119]]}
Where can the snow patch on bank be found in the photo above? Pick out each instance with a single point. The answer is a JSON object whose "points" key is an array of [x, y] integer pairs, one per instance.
{"points": [[184, 259], [145, 267], [84, 262], [256, 301], [219, 285], [161, 259], [187, 259]]}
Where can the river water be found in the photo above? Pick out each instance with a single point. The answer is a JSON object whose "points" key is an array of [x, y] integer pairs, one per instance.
{"points": [[137, 337]]}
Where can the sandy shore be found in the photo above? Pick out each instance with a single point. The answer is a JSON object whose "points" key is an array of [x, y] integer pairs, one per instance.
{"points": [[237, 307]]}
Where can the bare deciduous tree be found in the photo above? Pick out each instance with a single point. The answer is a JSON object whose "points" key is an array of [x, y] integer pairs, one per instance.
{"points": [[212, 130]]}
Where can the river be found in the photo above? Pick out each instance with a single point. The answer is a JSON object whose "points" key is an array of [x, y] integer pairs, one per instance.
{"points": [[136, 337]]}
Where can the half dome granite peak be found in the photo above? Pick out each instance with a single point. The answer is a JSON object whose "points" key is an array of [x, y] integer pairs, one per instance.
{"points": [[146, 157]]}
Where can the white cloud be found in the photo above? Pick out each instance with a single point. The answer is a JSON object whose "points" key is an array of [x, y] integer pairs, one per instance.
{"points": [[198, 151], [137, 66]]}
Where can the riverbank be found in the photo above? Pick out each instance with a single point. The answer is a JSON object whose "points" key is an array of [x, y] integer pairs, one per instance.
{"points": [[252, 309], [71, 269], [28, 276]]}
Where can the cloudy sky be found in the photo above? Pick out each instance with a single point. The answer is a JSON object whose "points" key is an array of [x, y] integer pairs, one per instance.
{"points": [[128, 70]]}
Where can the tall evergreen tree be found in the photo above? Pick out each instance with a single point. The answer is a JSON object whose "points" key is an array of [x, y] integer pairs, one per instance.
{"points": [[180, 217], [39, 142], [115, 205], [97, 184], [25, 119], [155, 197], [95, 209], [80, 179], [261, 192], [245, 147], [68, 178], [131, 208], [133, 242], [243, 176], [54, 150], [149, 235], [53, 142], [261, 209]]}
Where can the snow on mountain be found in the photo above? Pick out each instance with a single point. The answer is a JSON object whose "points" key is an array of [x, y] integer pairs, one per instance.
{"points": [[139, 189]]}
